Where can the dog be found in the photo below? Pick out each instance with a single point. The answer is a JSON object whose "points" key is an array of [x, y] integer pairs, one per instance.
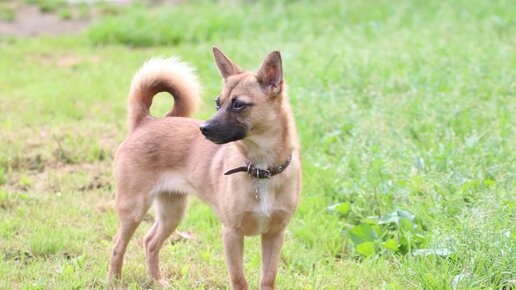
{"points": [[244, 162]]}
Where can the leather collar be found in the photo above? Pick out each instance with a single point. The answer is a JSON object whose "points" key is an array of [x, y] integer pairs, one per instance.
{"points": [[261, 173]]}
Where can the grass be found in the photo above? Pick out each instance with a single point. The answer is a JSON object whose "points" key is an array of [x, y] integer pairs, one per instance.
{"points": [[7, 12], [406, 114], [64, 9], [47, 5]]}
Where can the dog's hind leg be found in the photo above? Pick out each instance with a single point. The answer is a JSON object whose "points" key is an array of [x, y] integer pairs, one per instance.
{"points": [[170, 210], [130, 214]]}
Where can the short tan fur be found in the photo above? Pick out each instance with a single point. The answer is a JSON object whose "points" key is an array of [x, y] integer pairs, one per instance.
{"points": [[163, 160]]}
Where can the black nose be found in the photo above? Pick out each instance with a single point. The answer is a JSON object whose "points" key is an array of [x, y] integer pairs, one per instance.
{"points": [[205, 128]]}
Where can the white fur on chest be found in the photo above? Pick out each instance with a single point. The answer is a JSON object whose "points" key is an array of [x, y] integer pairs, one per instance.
{"points": [[266, 200]]}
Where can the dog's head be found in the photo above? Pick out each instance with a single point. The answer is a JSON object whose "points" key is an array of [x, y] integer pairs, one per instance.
{"points": [[249, 102]]}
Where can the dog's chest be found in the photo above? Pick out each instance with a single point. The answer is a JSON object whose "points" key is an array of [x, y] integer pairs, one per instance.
{"points": [[265, 200], [266, 214]]}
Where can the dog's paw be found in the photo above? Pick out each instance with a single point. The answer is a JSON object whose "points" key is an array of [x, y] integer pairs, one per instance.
{"points": [[162, 283]]}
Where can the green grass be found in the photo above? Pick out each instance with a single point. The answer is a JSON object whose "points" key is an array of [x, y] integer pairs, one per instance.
{"points": [[406, 114], [7, 12], [47, 5]]}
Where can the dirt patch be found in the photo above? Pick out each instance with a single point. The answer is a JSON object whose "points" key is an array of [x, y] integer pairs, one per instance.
{"points": [[63, 60], [69, 18], [84, 177], [30, 21], [59, 160]]}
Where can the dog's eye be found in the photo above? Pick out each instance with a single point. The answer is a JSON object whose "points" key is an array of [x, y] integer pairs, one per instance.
{"points": [[217, 103], [237, 105]]}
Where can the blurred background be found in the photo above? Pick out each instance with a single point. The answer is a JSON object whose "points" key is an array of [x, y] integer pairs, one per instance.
{"points": [[405, 110]]}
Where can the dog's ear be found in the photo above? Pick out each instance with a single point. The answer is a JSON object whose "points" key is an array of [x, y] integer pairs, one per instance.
{"points": [[270, 74], [226, 66]]}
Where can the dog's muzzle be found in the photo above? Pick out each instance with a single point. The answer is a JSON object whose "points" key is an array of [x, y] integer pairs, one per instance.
{"points": [[219, 133]]}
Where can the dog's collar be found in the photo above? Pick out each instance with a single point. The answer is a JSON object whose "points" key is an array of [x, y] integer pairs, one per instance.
{"points": [[261, 173]]}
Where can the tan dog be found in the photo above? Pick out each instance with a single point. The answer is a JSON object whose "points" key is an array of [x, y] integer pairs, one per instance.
{"points": [[164, 159]]}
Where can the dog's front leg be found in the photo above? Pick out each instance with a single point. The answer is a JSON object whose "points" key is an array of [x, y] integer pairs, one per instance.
{"points": [[271, 248], [234, 253]]}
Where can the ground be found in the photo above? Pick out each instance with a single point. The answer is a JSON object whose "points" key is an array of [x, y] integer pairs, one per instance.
{"points": [[405, 111]]}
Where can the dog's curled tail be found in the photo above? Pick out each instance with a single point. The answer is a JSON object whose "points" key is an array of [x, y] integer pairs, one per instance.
{"points": [[163, 75]]}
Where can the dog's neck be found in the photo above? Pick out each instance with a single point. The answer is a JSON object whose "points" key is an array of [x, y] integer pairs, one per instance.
{"points": [[273, 147]]}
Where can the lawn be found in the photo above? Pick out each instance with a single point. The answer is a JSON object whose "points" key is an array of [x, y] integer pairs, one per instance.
{"points": [[406, 113]]}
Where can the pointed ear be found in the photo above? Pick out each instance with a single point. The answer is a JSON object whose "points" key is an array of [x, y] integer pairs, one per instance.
{"points": [[226, 66], [270, 75]]}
